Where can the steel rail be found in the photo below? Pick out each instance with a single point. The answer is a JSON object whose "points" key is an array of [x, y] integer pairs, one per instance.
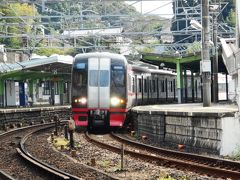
{"points": [[4, 175], [177, 154], [221, 166], [173, 162], [57, 173]]}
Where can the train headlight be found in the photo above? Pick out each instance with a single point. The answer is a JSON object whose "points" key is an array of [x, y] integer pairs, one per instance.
{"points": [[116, 101], [82, 100]]}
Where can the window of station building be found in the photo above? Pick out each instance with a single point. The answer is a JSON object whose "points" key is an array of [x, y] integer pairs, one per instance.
{"points": [[140, 85], [47, 88], [56, 88], [66, 87], [171, 86]]}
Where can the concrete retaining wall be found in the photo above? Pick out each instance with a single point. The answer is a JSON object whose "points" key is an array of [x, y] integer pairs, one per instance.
{"points": [[27, 115], [200, 132]]}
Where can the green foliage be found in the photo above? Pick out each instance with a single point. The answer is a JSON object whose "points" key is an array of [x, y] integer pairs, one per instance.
{"points": [[236, 154], [194, 47], [231, 19], [147, 50], [50, 51], [23, 25]]}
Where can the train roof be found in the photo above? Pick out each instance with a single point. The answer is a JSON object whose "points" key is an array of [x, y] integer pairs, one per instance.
{"points": [[162, 71], [101, 54], [139, 66]]}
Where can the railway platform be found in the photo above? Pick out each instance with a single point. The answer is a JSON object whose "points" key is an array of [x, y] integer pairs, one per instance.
{"points": [[211, 130]]}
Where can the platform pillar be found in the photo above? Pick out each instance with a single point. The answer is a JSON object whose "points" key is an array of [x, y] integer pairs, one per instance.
{"points": [[179, 82], [192, 85], [61, 89], [31, 89], [185, 86], [1, 93]]}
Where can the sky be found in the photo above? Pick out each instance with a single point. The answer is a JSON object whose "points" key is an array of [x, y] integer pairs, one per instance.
{"points": [[160, 7]]}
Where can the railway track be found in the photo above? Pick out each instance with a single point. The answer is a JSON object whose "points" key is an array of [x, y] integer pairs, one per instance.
{"points": [[53, 172], [212, 167], [14, 167]]}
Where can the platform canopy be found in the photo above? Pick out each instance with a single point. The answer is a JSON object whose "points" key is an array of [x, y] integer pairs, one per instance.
{"points": [[190, 62], [37, 68]]}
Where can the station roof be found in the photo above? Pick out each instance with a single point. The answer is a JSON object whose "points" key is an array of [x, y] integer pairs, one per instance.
{"points": [[56, 64], [190, 62]]}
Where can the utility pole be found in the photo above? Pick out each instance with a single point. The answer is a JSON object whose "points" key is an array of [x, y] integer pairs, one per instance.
{"points": [[206, 63], [215, 58]]}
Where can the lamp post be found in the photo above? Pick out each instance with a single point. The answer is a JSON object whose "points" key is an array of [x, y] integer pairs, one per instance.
{"points": [[215, 59], [206, 63]]}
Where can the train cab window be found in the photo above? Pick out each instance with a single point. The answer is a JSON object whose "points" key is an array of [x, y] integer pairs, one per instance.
{"points": [[118, 76], [79, 76]]}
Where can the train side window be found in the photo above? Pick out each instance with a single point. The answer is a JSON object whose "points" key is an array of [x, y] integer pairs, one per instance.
{"points": [[150, 86], [145, 85], [129, 83], [162, 86], [93, 78], [133, 84], [154, 85], [140, 85]]}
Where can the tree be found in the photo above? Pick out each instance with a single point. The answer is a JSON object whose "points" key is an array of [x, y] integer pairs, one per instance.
{"points": [[22, 24]]}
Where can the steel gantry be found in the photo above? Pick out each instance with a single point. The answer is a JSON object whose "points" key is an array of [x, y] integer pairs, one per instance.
{"points": [[75, 24]]}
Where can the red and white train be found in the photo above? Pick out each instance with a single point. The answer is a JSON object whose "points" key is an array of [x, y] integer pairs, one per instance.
{"points": [[105, 86]]}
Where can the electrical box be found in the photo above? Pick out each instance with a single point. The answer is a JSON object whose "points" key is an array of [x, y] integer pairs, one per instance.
{"points": [[71, 125], [205, 66]]}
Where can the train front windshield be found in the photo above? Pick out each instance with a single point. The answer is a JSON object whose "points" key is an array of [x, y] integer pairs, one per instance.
{"points": [[79, 81], [118, 82]]}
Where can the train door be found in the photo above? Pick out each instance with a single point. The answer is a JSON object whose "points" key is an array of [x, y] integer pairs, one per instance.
{"points": [[136, 90], [99, 75]]}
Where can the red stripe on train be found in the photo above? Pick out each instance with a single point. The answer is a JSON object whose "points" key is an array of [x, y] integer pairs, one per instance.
{"points": [[123, 110], [117, 119]]}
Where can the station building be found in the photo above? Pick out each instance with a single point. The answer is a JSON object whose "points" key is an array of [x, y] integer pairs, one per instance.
{"points": [[39, 81]]}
